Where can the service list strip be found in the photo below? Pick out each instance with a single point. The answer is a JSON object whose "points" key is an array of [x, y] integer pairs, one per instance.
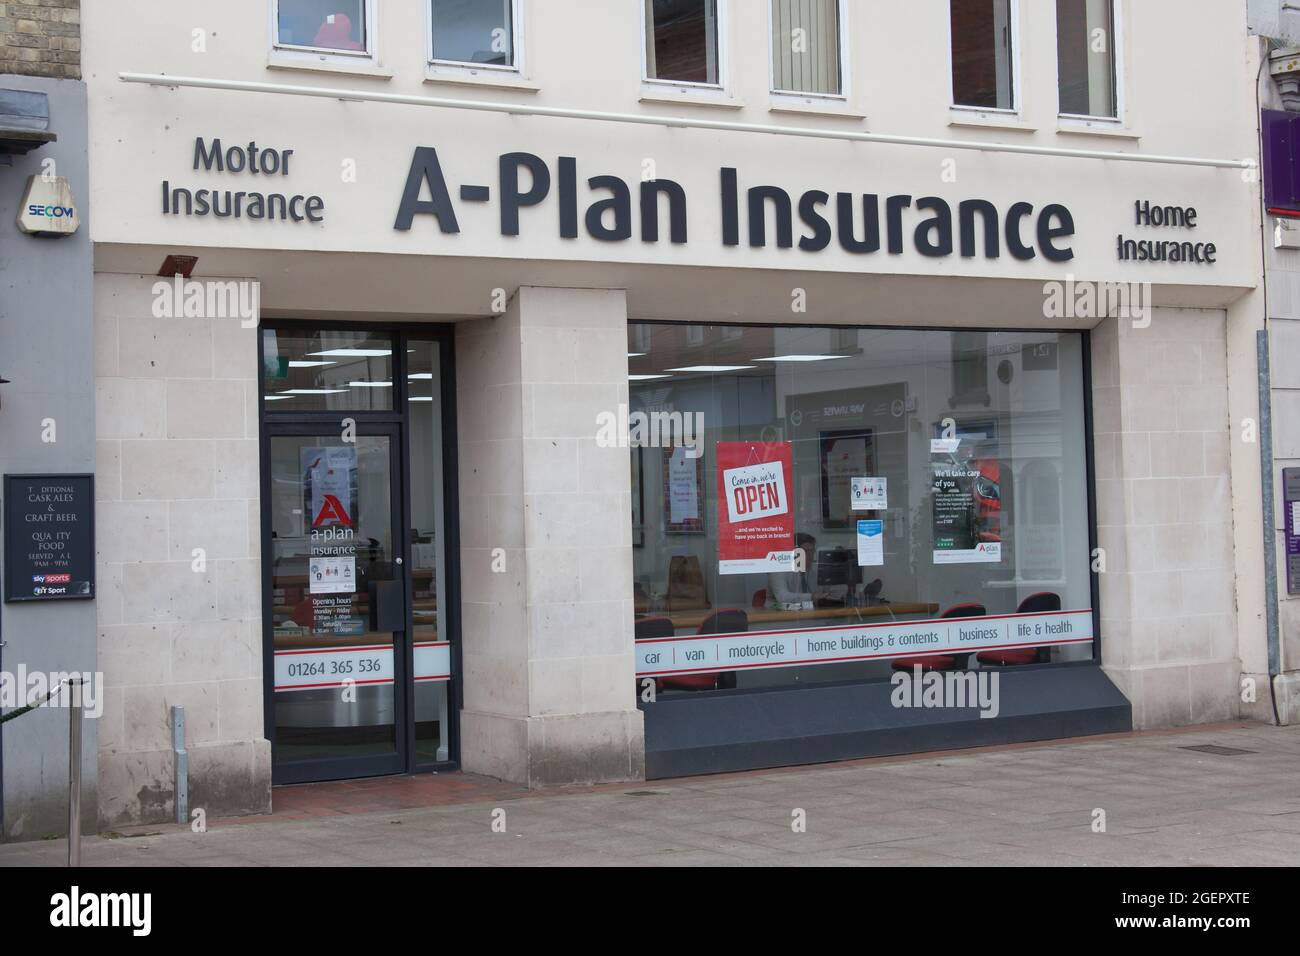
{"points": [[824, 645]]}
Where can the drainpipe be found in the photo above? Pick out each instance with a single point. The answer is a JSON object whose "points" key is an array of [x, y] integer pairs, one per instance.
{"points": [[1284, 69], [1270, 535]]}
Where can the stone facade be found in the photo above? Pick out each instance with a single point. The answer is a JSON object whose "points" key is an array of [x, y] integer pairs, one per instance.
{"points": [[41, 38], [1164, 515], [549, 671], [178, 539]]}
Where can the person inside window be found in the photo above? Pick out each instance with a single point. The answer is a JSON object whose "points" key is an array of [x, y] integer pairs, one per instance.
{"points": [[335, 33], [796, 587]]}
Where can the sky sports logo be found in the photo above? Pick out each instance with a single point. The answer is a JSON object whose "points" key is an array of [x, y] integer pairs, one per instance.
{"points": [[51, 579], [76, 909]]}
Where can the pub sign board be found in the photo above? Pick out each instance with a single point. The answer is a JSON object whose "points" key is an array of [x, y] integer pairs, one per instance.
{"points": [[49, 537]]}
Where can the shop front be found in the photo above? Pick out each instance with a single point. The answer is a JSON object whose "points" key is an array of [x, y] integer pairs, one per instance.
{"points": [[358, 477], [859, 510], [573, 434]]}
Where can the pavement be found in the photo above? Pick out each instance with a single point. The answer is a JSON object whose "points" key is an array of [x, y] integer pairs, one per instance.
{"points": [[1161, 803]]}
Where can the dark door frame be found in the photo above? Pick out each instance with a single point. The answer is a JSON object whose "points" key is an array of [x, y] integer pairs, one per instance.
{"points": [[398, 422]]}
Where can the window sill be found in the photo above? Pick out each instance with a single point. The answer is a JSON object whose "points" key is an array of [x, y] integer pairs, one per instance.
{"points": [[313, 64], [989, 119], [690, 97], [814, 106], [1099, 127], [489, 79]]}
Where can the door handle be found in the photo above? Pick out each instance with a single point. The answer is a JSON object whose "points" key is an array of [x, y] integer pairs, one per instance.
{"points": [[387, 606]]}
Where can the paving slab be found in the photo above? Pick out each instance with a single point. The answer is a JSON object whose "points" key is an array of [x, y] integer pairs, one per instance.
{"points": [[1026, 805]]}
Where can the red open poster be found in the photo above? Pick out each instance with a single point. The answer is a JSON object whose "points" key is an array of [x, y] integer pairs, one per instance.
{"points": [[755, 520]]}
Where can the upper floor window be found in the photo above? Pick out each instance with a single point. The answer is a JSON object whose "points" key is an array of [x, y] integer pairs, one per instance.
{"points": [[983, 68], [1085, 57], [807, 47], [333, 26], [681, 41], [474, 32]]}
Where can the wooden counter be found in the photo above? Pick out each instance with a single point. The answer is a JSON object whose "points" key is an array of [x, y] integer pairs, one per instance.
{"points": [[691, 620]]}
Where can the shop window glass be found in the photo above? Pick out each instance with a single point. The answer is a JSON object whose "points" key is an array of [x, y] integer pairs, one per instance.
{"points": [[1085, 57], [806, 46], [981, 53], [682, 41], [313, 371], [322, 24], [838, 489], [431, 632], [479, 32]]}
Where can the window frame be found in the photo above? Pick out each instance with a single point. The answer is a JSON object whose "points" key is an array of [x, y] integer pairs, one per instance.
{"points": [[463, 67], [722, 87], [315, 54], [842, 16], [1015, 111], [1117, 47], [1089, 462]]}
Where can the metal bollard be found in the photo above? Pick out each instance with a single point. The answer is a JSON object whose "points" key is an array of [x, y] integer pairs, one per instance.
{"points": [[74, 771]]}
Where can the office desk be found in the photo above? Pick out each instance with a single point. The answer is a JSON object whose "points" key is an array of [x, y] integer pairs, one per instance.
{"points": [[691, 620]]}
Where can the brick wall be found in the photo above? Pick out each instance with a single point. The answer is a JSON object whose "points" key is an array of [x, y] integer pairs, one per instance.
{"points": [[41, 38]]}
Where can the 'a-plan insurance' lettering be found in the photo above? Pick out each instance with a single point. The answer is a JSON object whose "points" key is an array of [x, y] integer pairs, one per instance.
{"points": [[861, 223]]}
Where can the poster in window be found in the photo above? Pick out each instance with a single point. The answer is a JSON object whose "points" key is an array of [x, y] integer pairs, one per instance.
{"points": [[966, 500], [329, 490], [755, 507], [684, 490], [844, 456], [329, 478]]}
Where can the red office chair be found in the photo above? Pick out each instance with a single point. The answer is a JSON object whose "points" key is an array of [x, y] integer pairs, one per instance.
{"points": [[726, 621], [652, 627], [943, 662], [760, 598], [1043, 601]]}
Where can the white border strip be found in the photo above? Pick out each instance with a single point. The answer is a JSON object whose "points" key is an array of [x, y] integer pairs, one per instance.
{"points": [[524, 109], [326, 667], [663, 656]]}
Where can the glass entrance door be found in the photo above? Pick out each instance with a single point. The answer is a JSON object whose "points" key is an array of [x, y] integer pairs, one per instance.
{"points": [[338, 603], [359, 491]]}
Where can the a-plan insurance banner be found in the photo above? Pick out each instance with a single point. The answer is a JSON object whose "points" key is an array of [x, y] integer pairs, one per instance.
{"points": [[755, 520], [658, 657]]}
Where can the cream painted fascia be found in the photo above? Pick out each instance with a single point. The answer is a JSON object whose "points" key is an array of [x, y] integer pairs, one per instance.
{"points": [[903, 94]]}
